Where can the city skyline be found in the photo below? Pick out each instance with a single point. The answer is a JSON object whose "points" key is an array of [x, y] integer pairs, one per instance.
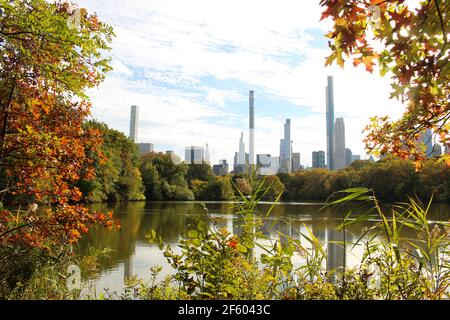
{"points": [[287, 161], [202, 96]]}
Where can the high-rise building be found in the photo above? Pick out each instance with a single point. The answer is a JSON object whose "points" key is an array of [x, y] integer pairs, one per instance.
{"points": [[221, 169], [348, 157], [263, 160], [296, 161], [426, 142], [194, 155], [134, 119], [286, 149], [252, 128], [339, 157], [241, 154], [318, 159], [267, 165], [145, 148], [355, 157], [330, 122], [207, 155]]}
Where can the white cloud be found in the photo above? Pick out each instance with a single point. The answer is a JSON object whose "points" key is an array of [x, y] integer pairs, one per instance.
{"points": [[165, 48]]}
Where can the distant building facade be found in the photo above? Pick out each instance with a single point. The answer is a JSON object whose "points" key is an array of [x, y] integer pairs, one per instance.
{"points": [[296, 165], [267, 165], [221, 169], [207, 155], [330, 122], [145, 148], [348, 157], [134, 119], [426, 142], [318, 159], [194, 155], [356, 157], [286, 149], [339, 145]]}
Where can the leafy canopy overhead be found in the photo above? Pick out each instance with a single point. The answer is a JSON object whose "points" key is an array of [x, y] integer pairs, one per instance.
{"points": [[411, 45]]}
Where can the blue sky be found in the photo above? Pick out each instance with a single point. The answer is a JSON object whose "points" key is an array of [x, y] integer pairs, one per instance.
{"points": [[189, 66]]}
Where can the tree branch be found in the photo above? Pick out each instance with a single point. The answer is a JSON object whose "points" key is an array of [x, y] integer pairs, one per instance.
{"points": [[444, 33]]}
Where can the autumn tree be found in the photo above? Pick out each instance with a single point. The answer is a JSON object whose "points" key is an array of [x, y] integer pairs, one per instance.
{"points": [[50, 53], [409, 44], [117, 175]]}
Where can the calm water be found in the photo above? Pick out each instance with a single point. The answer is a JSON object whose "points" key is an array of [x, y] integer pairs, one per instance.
{"points": [[132, 255]]}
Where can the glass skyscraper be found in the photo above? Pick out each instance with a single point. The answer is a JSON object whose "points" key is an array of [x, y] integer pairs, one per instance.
{"points": [[286, 149], [134, 123], [318, 159], [330, 122], [339, 159]]}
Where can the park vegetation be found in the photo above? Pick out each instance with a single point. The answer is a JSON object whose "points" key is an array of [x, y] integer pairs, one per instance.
{"points": [[54, 160], [156, 177]]}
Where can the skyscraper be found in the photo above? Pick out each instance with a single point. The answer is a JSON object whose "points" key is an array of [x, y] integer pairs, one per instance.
{"points": [[241, 153], [318, 159], [207, 155], [134, 123], [145, 148], [194, 155], [286, 149], [252, 128], [221, 169], [339, 157], [296, 161], [330, 122], [267, 164], [348, 157]]}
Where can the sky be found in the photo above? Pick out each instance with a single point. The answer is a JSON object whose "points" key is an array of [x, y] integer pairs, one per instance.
{"points": [[189, 66]]}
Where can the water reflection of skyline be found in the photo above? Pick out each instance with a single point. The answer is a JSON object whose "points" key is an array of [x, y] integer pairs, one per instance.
{"points": [[132, 255]]}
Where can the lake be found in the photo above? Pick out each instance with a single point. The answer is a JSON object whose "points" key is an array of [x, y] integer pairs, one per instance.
{"points": [[133, 255]]}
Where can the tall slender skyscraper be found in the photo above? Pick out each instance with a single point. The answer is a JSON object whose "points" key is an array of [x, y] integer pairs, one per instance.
{"points": [[252, 128], [330, 123], [339, 157], [241, 153], [207, 155], [134, 123], [286, 149]]}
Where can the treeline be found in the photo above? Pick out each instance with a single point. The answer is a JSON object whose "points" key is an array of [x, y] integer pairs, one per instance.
{"points": [[123, 175], [392, 179]]}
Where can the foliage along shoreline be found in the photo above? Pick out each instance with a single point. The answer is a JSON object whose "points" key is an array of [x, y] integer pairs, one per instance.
{"points": [[126, 176]]}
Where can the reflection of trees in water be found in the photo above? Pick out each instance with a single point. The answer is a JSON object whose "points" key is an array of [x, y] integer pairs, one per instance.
{"points": [[122, 241], [169, 219]]}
